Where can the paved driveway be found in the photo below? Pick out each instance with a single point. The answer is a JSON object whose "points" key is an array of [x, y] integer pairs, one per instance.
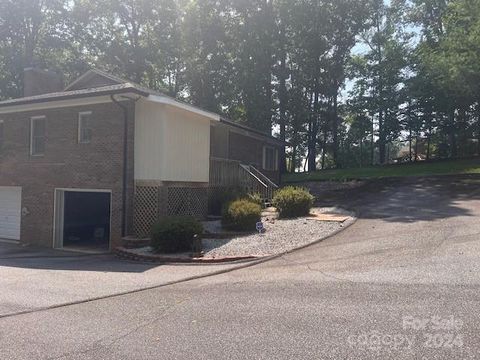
{"points": [[402, 283], [36, 278]]}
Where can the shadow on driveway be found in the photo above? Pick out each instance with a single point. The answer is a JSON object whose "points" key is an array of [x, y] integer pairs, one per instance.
{"points": [[17, 256], [409, 200], [34, 279]]}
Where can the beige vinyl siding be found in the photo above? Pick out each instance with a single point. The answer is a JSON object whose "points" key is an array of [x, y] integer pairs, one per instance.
{"points": [[171, 144], [149, 142]]}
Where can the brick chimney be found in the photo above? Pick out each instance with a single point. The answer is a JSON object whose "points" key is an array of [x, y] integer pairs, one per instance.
{"points": [[37, 82]]}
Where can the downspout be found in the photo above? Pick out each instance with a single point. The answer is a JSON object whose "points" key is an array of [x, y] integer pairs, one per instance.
{"points": [[125, 163]]}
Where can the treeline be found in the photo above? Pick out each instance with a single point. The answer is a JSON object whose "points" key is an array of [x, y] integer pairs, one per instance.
{"points": [[346, 82]]}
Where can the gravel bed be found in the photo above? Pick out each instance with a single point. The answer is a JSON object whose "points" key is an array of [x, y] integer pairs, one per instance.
{"points": [[281, 236]]}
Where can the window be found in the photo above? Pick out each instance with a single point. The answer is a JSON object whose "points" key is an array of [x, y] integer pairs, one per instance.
{"points": [[84, 127], [37, 135], [2, 135], [270, 158]]}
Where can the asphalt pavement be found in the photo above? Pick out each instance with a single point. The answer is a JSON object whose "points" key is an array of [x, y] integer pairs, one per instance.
{"points": [[401, 283]]}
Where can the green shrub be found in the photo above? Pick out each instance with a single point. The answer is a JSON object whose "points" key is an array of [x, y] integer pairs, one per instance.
{"points": [[255, 198], [219, 197], [175, 234], [293, 202], [241, 215]]}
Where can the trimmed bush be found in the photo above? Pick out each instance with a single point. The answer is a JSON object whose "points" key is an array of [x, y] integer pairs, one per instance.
{"points": [[293, 202], [241, 215], [175, 234], [219, 198], [255, 198]]}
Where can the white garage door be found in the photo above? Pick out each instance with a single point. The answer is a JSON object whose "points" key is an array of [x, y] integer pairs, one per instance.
{"points": [[10, 212]]}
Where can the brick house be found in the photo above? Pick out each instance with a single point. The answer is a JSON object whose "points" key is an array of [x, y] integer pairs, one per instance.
{"points": [[104, 158]]}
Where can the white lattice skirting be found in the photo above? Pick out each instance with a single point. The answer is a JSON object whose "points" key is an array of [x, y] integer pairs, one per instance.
{"points": [[154, 202], [146, 209]]}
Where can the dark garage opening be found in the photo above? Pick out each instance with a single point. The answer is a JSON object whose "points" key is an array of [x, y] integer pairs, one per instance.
{"points": [[86, 220]]}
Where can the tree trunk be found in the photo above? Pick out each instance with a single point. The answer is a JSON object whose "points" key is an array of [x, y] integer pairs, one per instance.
{"points": [[381, 139], [335, 126], [429, 133], [416, 148], [313, 132], [324, 146], [372, 148], [312, 142], [269, 103], [478, 128], [451, 134], [361, 153], [382, 149], [410, 146], [429, 136], [282, 95], [381, 112], [293, 160], [461, 130]]}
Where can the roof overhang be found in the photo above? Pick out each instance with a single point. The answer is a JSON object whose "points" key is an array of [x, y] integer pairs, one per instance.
{"points": [[257, 133], [187, 107], [67, 100]]}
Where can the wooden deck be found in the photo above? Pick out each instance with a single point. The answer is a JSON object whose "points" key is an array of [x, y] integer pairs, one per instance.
{"points": [[231, 173]]}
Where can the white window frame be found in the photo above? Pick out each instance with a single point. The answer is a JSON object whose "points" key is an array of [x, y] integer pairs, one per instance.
{"points": [[32, 121], [79, 130], [275, 158]]}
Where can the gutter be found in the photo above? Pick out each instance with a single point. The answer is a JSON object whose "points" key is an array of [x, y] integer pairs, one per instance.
{"points": [[78, 95], [125, 162]]}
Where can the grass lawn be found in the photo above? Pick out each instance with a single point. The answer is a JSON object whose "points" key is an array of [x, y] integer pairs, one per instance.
{"points": [[471, 166]]}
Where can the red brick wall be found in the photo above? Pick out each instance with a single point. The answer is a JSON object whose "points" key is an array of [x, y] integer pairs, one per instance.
{"points": [[66, 164]]}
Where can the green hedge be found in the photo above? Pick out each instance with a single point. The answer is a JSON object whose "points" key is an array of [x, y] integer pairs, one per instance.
{"points": [[175, 234], [293, 202], [255, 198], [241, 215], [220, 197]]}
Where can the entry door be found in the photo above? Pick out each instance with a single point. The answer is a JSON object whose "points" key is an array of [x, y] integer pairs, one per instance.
{"points": [[10, 212]]}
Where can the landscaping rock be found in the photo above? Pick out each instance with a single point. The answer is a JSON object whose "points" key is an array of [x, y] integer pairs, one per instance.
{"points": [[280, 236]]}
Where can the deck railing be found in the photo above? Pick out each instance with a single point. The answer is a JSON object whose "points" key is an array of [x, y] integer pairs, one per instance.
{"points": [[231, 173], [271, 186], [224, 172]]}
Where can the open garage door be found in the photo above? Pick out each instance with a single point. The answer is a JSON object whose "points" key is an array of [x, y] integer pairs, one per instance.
{"points": [[10, 212], [82, 219]]}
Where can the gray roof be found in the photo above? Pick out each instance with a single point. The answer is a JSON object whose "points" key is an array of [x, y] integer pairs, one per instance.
{"points": [[123, 86], [255, 131], [96, 72], [65, 95]]}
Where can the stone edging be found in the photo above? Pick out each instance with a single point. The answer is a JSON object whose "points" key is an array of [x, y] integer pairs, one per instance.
{"points": [[127, 254]]}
